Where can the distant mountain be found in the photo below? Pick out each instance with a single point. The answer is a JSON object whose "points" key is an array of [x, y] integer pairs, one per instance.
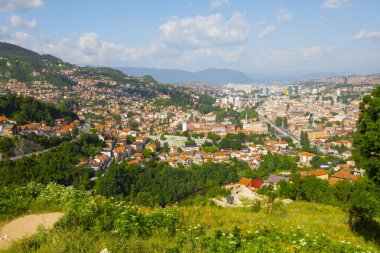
{"points": [[217, 76], [291, 77]]}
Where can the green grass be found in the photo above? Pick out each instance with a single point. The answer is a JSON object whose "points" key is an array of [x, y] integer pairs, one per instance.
{"points": [[298, 217]]}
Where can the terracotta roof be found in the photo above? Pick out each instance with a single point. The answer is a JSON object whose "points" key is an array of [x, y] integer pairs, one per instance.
{"points": [[345, 175], [102, 157], [244, 181], [333, 181], [319, 172], [256, 183], [170, 160], [306, 154], [119, 149]]}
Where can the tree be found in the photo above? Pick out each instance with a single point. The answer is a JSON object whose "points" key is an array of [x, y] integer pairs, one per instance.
{"points": [[285, 121], [305, 142], [367, 136], [6, 145], [278, 121], [364, 203]]}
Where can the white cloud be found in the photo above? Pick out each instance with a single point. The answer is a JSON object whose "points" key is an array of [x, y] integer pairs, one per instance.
{"points": [[20, 5], [284, 15], [364, 34], [17, 21], [334, 4], [220, 3], [205, 31], [265, 29], [4, 32]]}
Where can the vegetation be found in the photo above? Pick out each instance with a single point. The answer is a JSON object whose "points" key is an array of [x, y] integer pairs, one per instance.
{"points": [[158, 183], [366, 139], [27, 66], [27, 109], [56, 165], [92, 223]]}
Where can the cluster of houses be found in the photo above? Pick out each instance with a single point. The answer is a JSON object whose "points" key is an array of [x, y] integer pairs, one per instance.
{"points": [[339, 173]]}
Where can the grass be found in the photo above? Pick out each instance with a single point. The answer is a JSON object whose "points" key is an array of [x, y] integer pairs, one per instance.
{"points": [[309, 217]]}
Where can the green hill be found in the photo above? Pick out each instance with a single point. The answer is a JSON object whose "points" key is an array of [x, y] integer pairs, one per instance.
{"points": [[27, 66], [92, 223]]}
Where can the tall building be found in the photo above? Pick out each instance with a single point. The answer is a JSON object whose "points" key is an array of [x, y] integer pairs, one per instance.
{"points": [[296, 90], [290, 90], [266, 91], [184, 125]]}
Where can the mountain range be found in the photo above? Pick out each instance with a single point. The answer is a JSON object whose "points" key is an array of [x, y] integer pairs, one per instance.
{"points": [[212, 75]]}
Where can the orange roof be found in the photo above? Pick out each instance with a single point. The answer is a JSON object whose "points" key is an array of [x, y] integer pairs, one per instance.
{"points": [[244, 181], [138, 154], [119, 149], [333, 181], [170, 160], [345, 175], [132, 162], [306, 154], [319, 172], [102, 157], [2, 118]]}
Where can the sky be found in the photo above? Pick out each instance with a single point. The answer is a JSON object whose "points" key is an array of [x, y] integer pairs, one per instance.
{"points": [[268, 37]]}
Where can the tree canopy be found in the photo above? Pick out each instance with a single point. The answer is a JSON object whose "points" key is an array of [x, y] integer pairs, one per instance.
{"points": [[367, 136]]}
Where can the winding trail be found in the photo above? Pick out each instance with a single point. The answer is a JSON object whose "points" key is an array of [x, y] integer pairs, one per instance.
{"points": [[26, 226]]}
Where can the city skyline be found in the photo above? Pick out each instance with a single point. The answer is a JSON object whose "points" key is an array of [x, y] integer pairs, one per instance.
{"points": [[268, 37]]}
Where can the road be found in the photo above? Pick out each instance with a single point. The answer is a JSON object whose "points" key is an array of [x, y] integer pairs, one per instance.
{"points": [[38, 152], [294, 138], [30, 154]]}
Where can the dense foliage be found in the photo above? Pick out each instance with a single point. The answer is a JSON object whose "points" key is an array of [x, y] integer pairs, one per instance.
{"points": [[27, 66], [367, 136], [158, 183], [92, 223], [58, 165], [27, 109]]}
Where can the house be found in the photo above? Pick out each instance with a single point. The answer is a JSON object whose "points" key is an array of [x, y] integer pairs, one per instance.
{"points": [[172, 162], [281, 144], [137, 146], [138, 156], [319, 173], [306, 157], [119, 153], [345, 175], [9, 130], [3, 118], [186, 161], [274, 179], [102, 159], [152, 147], [163, 156], [244, 181], [143, 139], [256, 183]]}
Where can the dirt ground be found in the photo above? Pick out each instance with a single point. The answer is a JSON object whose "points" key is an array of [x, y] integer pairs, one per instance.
{"points": [[26, 226]]}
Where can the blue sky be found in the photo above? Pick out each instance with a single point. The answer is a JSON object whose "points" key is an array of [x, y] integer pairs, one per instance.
{"points": [[261, 37]]}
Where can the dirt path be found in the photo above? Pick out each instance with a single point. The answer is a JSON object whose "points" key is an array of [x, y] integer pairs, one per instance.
{"points": [[26, 226]]}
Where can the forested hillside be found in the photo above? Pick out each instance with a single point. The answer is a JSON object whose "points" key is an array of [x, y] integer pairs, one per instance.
{"points": [[27, 109]]}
